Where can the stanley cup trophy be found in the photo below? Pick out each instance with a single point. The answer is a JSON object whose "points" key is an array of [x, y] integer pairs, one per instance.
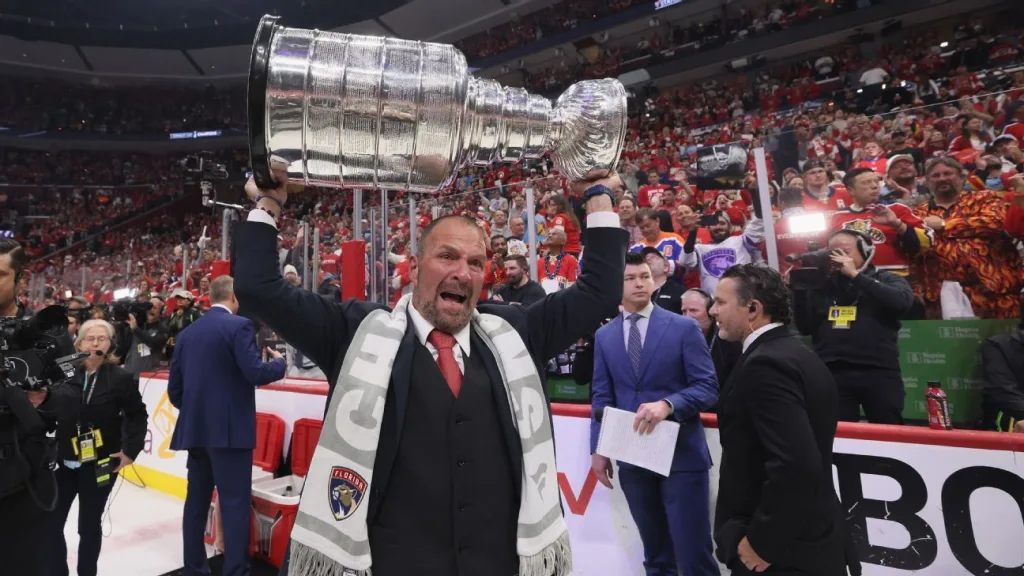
{"points": [[347, 111]]}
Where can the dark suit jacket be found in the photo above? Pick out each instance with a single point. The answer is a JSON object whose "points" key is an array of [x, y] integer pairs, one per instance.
{"points": [[214, 373], [777, 422], [670, 296], [322, 329], [1002, 384], [115, 408], [725, 354], [675, 365]]}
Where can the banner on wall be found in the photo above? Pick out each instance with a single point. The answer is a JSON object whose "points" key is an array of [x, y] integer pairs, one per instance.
{"points": [[156, 451], [721, 167], [913, 509]]}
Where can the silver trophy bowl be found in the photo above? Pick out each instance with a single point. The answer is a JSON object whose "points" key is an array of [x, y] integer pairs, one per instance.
{"points": [[366, 112]]}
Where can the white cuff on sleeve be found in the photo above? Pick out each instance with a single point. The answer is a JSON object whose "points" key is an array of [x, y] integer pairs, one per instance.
{"points": [[261, 216], [603, 220]]}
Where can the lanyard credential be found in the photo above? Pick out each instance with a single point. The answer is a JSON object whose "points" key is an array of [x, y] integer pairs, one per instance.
{"points": [[87, 391], [85, 445]]}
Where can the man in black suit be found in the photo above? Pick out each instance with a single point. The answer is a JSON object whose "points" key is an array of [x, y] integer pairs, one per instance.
{"points": [[445, 493], [777, 509]]}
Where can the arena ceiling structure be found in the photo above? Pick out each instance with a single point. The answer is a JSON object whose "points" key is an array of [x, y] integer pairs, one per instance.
{"points": [[210, 39], [132, 41]]}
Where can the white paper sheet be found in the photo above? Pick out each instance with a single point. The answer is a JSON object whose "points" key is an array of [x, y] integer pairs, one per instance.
{"points": [[652, 451]]}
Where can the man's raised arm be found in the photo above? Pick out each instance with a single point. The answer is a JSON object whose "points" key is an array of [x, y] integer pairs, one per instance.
{"points": [[314, 325], [557, 321]]}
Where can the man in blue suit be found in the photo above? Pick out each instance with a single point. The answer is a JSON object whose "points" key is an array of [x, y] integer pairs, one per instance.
{"points": [[214, 373], [657, 364]]}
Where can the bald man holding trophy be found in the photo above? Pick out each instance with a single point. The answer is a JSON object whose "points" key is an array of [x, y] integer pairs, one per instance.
{"points": [[437, 451]]}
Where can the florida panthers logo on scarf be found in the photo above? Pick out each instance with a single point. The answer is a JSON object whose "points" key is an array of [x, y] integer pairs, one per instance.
{"points": [[346, 491]]}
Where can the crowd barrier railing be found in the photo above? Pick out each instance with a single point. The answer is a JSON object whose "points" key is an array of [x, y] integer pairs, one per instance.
{"points": [[919, 501]]}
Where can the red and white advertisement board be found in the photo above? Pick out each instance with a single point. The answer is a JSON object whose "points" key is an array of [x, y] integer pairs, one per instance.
{"points": [[921, 502]]}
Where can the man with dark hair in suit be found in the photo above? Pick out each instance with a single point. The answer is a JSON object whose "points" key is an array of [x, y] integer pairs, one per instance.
{"points": [[423, 466], [656, 364], [777, 510], [213, 378]]}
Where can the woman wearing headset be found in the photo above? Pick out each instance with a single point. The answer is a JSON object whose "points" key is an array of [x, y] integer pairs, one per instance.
{"points": [[106, 436]]}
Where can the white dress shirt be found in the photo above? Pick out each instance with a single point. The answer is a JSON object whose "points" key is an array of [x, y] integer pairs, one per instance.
{"points": [[641, 324], [757, 334], [423, 329], [222, 306]]}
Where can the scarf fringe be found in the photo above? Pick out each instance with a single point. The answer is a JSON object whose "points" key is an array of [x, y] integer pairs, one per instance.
{"points": [[308, 561], [554, 560]]}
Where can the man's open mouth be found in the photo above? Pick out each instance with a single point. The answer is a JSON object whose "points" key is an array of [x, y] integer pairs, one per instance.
{"points": [[453, 297]]}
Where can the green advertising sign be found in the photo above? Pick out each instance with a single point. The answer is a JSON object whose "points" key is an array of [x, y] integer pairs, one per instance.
{"points": [[946, 351], [567, 390]]}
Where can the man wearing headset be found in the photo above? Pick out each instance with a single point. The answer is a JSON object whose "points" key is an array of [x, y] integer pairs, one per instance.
{"points": [[852, 315], [697, 304]]}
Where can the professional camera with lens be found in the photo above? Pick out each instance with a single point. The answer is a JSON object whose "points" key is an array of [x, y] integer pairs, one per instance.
{"points": [[815, 267], [120, 310], [35, 354], [202, 167], [30, 355]]}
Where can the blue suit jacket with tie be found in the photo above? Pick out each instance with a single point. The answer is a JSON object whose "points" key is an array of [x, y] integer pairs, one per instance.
{"points": [[214, 373], [675, 365]]}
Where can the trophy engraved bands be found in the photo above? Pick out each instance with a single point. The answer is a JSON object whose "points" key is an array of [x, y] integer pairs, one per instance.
{"points": [[349, 111]]}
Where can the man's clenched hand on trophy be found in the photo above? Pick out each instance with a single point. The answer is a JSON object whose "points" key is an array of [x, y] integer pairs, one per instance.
{"points": [[271, 200]]}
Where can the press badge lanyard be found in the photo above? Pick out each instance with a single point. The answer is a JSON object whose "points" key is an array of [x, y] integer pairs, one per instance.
{"points": [[85, 445], [86, 389], [842, 316]]}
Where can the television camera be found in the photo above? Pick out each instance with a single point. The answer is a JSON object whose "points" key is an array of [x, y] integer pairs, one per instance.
{"points": [[30, 350], [815, 266], [120, 310], [203, 167]]}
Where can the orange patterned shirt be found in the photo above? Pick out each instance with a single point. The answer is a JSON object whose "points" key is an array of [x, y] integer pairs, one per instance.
{"points": [[974, 250]]}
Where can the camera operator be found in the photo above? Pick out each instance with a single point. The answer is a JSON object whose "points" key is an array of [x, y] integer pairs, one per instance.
{"points": [[93, 445], [851, 310], [184, 314], [27, 488], [79, 311], [148, 334]]}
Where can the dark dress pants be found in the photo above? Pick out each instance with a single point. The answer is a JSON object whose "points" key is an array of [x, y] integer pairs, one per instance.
{"points": [[673, 517], [92, 501], [879, 392], [230, 471]]}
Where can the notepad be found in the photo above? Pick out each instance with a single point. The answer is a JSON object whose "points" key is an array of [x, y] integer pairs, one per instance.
{"points": [[620, 442]]}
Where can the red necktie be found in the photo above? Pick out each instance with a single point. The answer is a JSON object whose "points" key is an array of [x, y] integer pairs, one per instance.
{"points": [[446, 359]]}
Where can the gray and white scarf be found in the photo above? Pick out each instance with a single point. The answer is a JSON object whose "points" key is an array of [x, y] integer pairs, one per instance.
{"points": [[330, 536]]}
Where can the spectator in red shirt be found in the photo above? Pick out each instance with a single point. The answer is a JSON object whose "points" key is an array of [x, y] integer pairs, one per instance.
{"points": [[560, 215]]}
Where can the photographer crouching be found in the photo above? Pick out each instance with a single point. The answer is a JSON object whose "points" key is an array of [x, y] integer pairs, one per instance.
{"points": [[30, 404], [148, 334], [852, 312]]}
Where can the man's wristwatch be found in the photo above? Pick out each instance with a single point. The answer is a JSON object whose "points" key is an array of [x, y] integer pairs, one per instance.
{"points": [[597, 190]]}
